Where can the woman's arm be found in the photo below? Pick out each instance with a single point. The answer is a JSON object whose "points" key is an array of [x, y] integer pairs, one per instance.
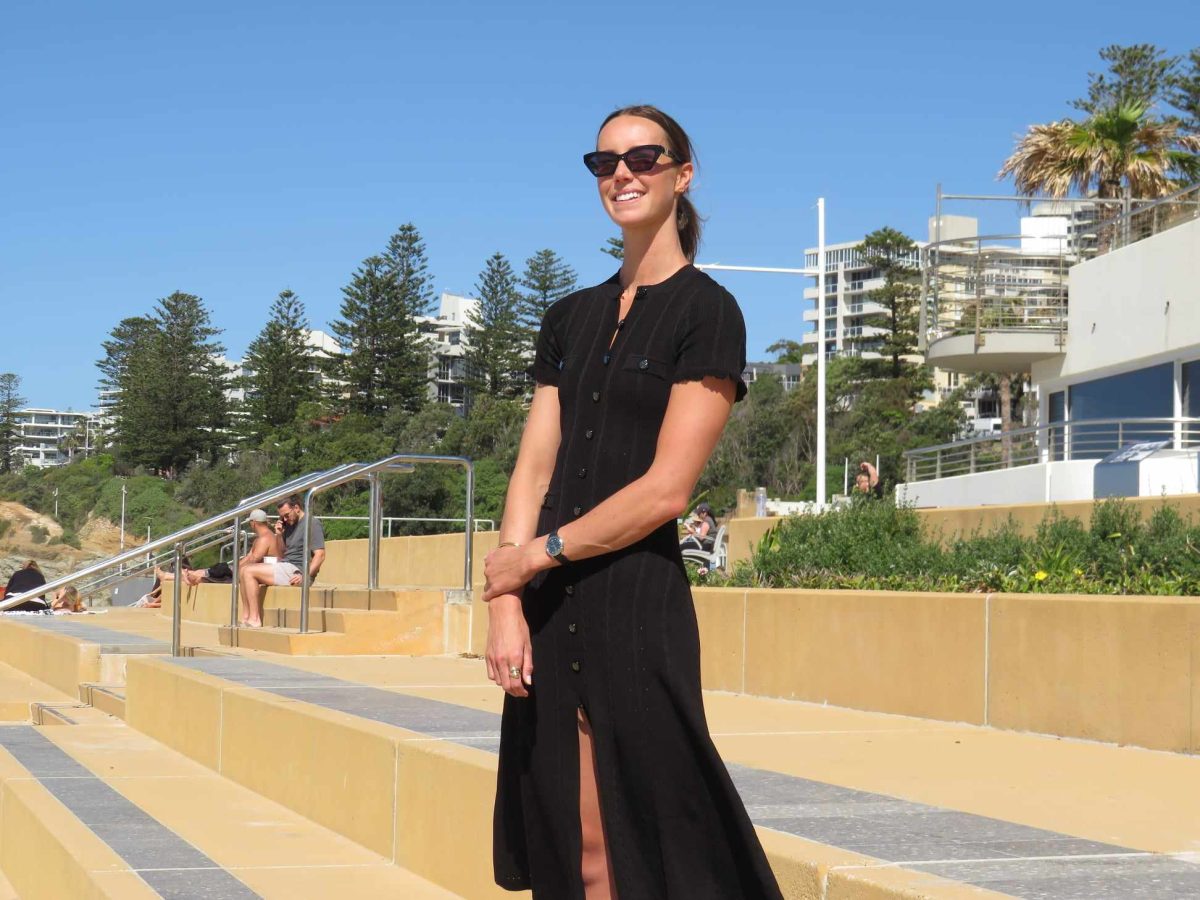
{"points": [[509, 644], [696, 415]]}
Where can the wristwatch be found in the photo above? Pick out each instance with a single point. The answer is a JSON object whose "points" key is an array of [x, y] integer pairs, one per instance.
{"points": [[554, 548]]}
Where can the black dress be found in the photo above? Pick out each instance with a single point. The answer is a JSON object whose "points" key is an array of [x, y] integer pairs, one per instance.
{"points": [[616, 634]]}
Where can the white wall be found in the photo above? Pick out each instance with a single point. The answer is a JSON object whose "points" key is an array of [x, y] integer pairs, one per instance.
{"points": [[1042, 483], [1132, 307]]}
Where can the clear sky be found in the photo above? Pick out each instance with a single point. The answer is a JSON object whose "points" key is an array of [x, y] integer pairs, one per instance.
{"points": [[232, 150]]}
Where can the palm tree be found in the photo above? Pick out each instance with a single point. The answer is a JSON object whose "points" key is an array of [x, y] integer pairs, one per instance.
{"points": [[1122, 147]]}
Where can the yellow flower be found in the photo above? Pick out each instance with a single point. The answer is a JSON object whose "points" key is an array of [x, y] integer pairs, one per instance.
{"points": [[1041, 575], [1079, 571]]}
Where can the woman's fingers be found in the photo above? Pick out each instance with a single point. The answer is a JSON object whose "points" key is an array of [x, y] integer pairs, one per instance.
{"points": [[527, 666]]}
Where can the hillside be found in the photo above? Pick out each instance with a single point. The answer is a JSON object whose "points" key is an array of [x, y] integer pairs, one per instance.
{"points": [[32, 535]]}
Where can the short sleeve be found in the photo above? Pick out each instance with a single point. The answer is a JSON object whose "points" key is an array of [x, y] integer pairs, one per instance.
{"points": [[547, 354], [316, 536], [713, 340]]}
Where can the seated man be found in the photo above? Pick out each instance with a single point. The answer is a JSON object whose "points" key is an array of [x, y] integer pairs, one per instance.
{"points": [[289, 554], [263, 546]]}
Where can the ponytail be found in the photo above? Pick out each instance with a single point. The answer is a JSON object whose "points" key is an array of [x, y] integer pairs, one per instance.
{"points": [[687, 220]]}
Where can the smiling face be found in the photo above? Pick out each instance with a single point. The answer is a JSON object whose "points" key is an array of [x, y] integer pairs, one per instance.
{"points": [[640, 201]]}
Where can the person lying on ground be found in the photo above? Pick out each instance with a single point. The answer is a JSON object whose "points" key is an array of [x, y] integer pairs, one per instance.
{"points": [[67, 599]]}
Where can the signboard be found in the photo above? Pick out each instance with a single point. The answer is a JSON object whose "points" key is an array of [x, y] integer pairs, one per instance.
{"points": [[1135, 452]]}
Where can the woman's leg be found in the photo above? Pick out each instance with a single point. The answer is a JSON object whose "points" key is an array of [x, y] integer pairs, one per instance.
{"points": [[598, 881]]}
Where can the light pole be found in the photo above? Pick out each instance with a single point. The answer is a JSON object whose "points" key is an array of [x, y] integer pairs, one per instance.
{"points": [[56, 504], [819, 272], [122, 516]]}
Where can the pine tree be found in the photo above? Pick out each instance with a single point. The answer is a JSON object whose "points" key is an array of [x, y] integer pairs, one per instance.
{"points": [[547, 280], [1184, 93], [405, 259], [495, 365], [1137, 74], [279, 366], [891, 252], [172, 407], [614, 247], [11, 403], [385, 363]]}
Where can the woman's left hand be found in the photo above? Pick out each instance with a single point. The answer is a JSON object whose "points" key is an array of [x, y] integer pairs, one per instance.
{"points": [[505, 571]]}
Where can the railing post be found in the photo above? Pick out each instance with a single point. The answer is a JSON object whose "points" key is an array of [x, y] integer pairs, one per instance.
{"points": [[469, 528], [374, 529], [937, 465], [236, 570], [1120, 435], [305, 580], [972, 457], [177, 612]]}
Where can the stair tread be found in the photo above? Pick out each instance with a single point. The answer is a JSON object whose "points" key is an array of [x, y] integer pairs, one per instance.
{"points": [[18, 690], [270, 849]]}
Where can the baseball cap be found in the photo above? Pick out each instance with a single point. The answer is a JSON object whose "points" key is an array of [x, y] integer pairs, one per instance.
{"points": [[258, 515]]}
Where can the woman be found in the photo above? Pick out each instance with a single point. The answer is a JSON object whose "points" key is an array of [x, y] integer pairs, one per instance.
{"points": [[25, 579], [67, 599], [609, 784], [701, 528]]}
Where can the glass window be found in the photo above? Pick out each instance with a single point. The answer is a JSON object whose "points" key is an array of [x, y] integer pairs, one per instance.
{"points": [[1145, 393]]}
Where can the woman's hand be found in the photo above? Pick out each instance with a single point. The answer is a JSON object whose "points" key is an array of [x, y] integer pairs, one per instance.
{"points": [[505, 571], [508, 645]]}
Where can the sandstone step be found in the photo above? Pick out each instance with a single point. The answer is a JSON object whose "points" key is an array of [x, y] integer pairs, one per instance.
{"points": [[848, 803], [19, 690], [108, 698], [103, 811]]}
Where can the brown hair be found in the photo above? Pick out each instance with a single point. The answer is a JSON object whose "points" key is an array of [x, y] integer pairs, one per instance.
{"points": [[32, 564], [687, 220]]}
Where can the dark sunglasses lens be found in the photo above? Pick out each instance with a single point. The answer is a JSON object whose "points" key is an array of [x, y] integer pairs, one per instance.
{"points": [[600, 163], [641, 159]]}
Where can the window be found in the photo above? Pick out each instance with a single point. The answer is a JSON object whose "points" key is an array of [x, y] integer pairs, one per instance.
{"points": [[1057, 414], [1145, 393]]}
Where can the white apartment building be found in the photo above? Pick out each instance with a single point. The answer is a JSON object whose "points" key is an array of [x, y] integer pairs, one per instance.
{"points": [[447, 336], [53, 437]]}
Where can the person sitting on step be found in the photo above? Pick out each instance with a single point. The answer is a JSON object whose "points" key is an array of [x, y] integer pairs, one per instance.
{"points": [[290, 529]]}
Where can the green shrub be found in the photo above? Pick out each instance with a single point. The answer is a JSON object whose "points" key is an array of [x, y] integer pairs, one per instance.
{"points": [[38, 534], [872, 545]]}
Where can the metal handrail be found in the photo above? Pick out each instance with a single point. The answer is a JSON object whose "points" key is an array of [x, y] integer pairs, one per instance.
{"points": [[195, 545], [1054, 441], [388, 520], [402, 461]]}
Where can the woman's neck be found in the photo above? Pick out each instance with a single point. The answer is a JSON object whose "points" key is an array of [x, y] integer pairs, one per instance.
{"points": [[651, 257]]}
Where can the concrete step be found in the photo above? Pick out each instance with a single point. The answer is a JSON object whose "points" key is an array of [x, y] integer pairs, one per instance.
{"points": [[108, 698], [211, 603], [103, 811], [18, 691], [848, 804]]}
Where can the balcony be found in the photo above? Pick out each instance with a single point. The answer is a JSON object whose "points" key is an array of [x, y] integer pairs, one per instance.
{"points": [[996, 303]]}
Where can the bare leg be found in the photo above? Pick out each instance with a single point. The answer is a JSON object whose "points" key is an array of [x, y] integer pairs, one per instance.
{"points": [[598, 883], [253, 580]]}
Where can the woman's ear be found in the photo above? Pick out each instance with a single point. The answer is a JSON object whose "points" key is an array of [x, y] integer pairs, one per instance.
{"points": [[683, 177]]}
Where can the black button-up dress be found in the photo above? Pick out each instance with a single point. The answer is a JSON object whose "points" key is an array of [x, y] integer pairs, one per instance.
{"points": [[616, 634]]}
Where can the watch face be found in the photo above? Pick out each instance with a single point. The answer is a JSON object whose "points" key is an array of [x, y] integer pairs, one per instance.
{"points": [[554, 545]]}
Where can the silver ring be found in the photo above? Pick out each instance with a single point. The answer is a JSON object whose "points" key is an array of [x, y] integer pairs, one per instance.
{"points": [[514, 671]]}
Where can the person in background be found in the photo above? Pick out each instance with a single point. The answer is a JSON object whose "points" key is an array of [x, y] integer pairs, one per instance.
{"points": [[67, 599], [867, 481], [701, 528], [25, 579], [289, 554]]}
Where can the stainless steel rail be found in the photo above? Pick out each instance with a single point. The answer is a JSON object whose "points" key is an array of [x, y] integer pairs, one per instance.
{"points": [[1054, 442], [230, 521], [401, 462]]}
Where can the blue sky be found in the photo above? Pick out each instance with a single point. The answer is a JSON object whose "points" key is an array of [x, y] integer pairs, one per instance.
{"points": [[232, 150]]}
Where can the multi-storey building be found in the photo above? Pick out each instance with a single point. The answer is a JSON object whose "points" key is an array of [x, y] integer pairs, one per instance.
{"points": [[52, 437], [446, 334]]}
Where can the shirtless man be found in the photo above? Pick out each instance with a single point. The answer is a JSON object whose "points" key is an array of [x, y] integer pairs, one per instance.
{"points": [[289, 554]]}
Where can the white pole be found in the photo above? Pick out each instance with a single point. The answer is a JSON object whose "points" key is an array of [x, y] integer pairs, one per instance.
{"points": [[56, 504], [122, 517], [820, 352]]}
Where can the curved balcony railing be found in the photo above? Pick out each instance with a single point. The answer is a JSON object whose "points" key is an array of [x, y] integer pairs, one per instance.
{"points": [[990, 283], [1057, 442], [1147, 218]]}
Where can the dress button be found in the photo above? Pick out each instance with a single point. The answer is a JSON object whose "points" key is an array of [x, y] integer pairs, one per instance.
{"points": [[569, 590], [641, 292], [583, 473], [571, 628], [577, 510], [607, 357], [589, 434], [575, 666], [595, 396], [644, 364]]}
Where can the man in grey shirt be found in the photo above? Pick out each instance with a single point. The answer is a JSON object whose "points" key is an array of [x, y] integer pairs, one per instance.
{"points": [[289, 557]]}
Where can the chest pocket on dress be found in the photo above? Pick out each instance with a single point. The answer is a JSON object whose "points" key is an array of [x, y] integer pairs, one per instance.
{"points": [[645, 365]]}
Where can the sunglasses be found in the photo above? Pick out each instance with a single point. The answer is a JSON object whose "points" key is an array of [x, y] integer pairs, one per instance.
{"points": [[638, 159]]}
